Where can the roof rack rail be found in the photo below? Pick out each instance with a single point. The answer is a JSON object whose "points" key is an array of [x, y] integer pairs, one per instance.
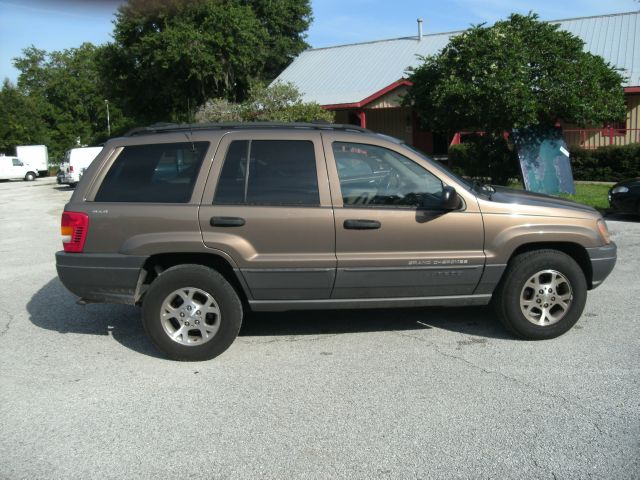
{"points": [[191, 127]]}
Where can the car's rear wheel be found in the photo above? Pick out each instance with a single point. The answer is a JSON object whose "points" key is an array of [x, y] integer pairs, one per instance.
{"points": [[30, 177], [191, 312], [541, 295]]}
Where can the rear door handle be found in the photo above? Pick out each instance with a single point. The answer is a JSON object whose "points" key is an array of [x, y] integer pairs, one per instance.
{"points": [[227, 222], [359, 224]]}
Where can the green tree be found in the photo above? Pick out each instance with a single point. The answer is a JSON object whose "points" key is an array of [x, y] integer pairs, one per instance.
{"points": [[286, 22], [63, 89], [219, 110], [169, 56], [20, 123], [517, 73], [280, 102]]}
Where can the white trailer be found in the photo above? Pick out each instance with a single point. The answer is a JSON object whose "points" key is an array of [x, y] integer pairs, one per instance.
{"points": [[35, 155], [76, 161]]}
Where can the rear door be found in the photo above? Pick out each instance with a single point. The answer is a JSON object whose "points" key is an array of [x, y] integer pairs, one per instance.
{"points": [[392, 239], [4, 167], [267, 205]]}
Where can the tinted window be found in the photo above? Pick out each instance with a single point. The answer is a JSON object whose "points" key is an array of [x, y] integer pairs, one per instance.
{"points": [[278, 172], [162, 173], [376, 176], [17, 163]]}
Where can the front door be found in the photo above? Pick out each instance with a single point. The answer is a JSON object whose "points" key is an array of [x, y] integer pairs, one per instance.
{"points": [[392, 239], [267, 205]]}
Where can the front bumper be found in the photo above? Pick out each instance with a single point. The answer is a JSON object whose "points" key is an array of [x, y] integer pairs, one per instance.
{"points": [[624, 202], [97, 277], [603, 259]]}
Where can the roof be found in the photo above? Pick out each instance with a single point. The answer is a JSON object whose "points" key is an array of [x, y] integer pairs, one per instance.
{"points": [[192, 127], [348, 74]]}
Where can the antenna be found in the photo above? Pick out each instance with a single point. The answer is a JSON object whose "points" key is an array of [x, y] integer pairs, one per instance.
{"points": [[188, 135]]}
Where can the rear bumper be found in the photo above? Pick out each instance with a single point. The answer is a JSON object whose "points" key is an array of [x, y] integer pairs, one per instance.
{"points": [[603, 259], [69, 179], [110, 278]]}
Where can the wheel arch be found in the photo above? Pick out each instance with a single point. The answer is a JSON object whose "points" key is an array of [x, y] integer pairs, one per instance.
{"points": [[158, 263], [573, 250]]}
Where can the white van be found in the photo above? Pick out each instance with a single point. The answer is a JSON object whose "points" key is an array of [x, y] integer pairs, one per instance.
{"points": [[13, 168], [76, 161], [35, 155]]}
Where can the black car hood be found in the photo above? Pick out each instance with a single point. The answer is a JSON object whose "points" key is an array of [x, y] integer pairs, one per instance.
{"points": [[629, 182], [523, 197]]}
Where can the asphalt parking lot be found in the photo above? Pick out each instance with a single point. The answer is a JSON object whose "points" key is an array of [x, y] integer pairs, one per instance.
{"points": [[420, 393]]}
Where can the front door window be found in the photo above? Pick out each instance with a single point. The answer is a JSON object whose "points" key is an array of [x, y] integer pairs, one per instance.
{"points": [[372, 176]]}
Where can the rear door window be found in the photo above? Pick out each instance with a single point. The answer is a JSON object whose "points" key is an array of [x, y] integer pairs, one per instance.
{"points": [[269, 172], [158, 173]]}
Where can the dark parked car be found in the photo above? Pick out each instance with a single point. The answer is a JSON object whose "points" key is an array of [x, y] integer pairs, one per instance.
{"points": [[624, 197]]}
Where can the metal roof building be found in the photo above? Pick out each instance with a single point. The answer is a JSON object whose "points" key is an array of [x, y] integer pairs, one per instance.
{"points": [[352, 74]]}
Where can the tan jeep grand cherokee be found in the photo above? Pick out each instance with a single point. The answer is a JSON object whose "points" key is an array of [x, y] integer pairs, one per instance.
{"points": [[200, 223]]}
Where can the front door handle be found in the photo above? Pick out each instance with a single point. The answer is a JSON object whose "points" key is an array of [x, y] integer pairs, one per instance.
{"points": [[227, 222], [359, 224]]}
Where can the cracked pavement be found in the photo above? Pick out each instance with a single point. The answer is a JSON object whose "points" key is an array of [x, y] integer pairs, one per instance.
{"points": [[390, 394]]}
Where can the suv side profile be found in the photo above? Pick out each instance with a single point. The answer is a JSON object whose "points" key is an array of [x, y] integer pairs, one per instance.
{"points": [[198, 224]]}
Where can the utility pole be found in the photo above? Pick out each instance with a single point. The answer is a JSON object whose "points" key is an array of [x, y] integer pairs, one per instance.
{"points": [[106, 102]]}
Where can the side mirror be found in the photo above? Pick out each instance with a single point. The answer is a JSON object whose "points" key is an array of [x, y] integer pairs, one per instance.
{"points": [[450, 199]]}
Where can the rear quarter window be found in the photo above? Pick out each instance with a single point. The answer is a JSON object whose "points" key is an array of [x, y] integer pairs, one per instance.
{"points": [[157, 173]]}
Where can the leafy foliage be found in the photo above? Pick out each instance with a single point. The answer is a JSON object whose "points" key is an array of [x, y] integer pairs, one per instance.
{"points": [[62, 91], [20, 123], [167, 58], [219, 110], [611, 163], [170, 56], [485, 157], [285, 22], [281, 102], [517, 73]]}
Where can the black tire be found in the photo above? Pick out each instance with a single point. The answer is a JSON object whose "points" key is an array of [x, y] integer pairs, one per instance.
{"points": [[507, 297], [30, 177], [197, 277]]}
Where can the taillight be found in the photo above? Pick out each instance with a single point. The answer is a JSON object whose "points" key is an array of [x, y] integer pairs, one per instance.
{"points": [[70, 168], [74, 229]]}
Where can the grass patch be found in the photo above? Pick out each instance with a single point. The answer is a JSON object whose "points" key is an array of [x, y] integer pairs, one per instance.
{"points": [[592, 194]]}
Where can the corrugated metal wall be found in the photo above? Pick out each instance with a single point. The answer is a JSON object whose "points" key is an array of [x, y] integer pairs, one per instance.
{"points": [[598, 136], [633, 117], [390, 100], [397, 122], [391, 121]]}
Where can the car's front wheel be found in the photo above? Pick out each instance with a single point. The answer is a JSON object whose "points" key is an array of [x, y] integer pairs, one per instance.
{"points": [[191, 312], [541, 295]]}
